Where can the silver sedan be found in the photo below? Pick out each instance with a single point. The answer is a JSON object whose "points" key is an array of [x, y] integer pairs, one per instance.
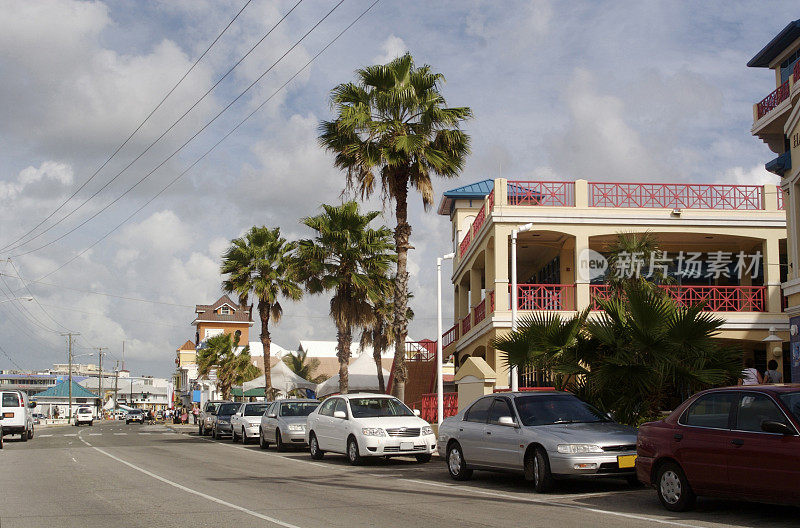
{"points": [[284, 423], [546, 435]]}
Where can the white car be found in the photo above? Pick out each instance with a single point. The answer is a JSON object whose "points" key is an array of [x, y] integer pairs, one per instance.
{"points": [[16, 415], [246, 420], [83, 416], [368, 425]]}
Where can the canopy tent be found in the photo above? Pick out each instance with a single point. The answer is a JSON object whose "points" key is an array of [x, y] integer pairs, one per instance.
{"points": [[362, 376], [109, 406], [283, 379]]}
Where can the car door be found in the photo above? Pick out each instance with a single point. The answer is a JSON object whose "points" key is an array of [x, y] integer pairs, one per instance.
{"points": [[340, 427], [236, 419], [502, 442], [702, 441], [322, 423], [764, 465], [267, 423], [471, 431]]}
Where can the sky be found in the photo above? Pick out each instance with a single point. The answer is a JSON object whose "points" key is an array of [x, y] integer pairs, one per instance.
{"points": [[607, 91]]}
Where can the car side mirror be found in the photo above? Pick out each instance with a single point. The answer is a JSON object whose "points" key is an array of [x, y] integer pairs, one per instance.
{"points": [[32, 404], [272, 415], [416, 412], [507, 421], [769, 426], [340, 414]]}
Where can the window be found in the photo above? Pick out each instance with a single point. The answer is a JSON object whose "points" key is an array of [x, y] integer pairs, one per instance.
{"points": [[11, 399], [374, 407], [254, 409], [341, 406], [479, 411], [499, 409], [792, 401], [213, 332], [225, 310], [327, 408], [554, 408], [712, 411], [756, 408], [298, 408]]}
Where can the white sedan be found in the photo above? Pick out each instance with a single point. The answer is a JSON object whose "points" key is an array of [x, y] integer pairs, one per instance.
{"points": [[246, 420], [362, 425]]}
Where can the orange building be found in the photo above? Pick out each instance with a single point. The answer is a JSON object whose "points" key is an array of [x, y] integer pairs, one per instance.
{"points": [[222, 317]]}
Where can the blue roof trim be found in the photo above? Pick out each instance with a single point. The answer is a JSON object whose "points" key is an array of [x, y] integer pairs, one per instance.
{"points": [[62, 391], [776, 46], [780, 164], [473, 190]]}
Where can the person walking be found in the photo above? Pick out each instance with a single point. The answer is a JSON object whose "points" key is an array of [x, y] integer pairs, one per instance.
{"points": [[195, 412], [750, 375], [772, 375]]}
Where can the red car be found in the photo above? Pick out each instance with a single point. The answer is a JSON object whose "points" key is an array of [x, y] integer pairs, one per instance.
{"points": [[735, 442]]}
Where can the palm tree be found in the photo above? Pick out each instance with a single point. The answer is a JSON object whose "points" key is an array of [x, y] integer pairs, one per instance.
{"points": [[219, 353], [262, 263], [622, 253], [303, 366], [392, 131], [343, 257]]}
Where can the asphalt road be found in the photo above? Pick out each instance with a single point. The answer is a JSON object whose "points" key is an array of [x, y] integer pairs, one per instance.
{"points": [[151, 476]]}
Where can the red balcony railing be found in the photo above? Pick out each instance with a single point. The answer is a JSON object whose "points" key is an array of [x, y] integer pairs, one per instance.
{"points": [[450, 337], [424, 350], [717, 298], [473, 230], [796, 71], [544, 193], [775, 98], [462, 248], [491, 201], [491, 301], [466, 324], [429, 410], [676, 196], [780, 191], [545, 296], [480, 311]]}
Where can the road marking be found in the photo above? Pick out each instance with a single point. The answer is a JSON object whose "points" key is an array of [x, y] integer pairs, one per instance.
{"points": [[470, 489], [45, 436], [95, 434], [71, 434], [192, 491], [142, 433], [120, 434]]}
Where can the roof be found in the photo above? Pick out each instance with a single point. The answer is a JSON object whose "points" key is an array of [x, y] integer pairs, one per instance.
{"points": [[472, 191], [323, 349], [62, 391], [206, 312], [188, 345], [776, 46], [362, 376]]}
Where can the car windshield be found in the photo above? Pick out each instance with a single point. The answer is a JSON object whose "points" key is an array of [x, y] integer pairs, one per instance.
{"points": [[84, 410], [256, 409], [135, 411], [546, 409], [374, 407], [792, 401], [227, 408], [298, 408]]}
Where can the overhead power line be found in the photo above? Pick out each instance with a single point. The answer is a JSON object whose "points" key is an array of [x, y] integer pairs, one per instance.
{"points": [[120, 147]]}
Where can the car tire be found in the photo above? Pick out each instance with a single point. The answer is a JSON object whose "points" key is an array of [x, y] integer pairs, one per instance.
{"points": [[263, 444], [91, 424], [537, 470], [24, 436], [244, 437], [673, 488], [30, 434], [200, 431], [353, 456], [279, 445], [456, 465], [214, 434], [233, 435], [313, 447], [423, 458], [1, 440]]}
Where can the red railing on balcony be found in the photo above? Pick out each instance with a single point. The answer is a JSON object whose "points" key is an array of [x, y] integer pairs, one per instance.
{"points": [[775, 98], [450, 337], [675, 196], [429, 410], [717, 298], [480, 311], [491, 201], [780, 191], [796, 71], [462, 248], [491, 301], [466, 324], [424, 350], [479, 220], [545, 296], [543, 193]]}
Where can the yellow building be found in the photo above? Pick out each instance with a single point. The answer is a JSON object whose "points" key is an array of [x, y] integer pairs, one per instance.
{"points": [[776, 121], [728, 225]]}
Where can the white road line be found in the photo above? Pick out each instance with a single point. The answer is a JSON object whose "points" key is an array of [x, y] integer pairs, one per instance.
{"points": [[71, 434], [120, 434], [469, 489], [192, 491], [45, 436], [142, 433], [95, 434]]}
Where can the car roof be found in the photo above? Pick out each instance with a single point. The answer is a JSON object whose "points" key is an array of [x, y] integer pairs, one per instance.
{"points": [[776, 388], [296, 400], [364, 395]]}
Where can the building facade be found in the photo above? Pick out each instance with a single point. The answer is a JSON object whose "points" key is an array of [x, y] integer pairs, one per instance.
{"points": [[574, 222]]}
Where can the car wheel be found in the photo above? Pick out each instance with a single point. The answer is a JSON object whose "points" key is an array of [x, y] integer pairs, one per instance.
{"points": [[1, 440], [244, 436], [313, 446], [263, 444], [91, 424], [537, 470], [279, 445], [353, 456], [30, 434], [200, 430], [456, 464], [214, 434], [233, 435], [423, 458], [673, 488], [24, 436]]}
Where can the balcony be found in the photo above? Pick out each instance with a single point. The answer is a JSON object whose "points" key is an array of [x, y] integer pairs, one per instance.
{"points": [[776, 97], [550, 297], [717, 298], [676, 196]]}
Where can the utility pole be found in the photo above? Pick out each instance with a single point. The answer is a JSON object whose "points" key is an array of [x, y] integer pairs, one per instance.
{"points": [[69, 374], [123, 355], [116, 385], [100, 382]]}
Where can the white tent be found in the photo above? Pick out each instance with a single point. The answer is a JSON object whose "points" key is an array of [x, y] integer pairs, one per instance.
{"points": [[282, 378], [362, 376]]}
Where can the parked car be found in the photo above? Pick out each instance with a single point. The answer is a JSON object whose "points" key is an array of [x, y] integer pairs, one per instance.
{"points": [[222, 419], [284, 423], [205, 422], [16, 415], [364, 425], [246, 421], [119, 414], [38, 418], [736, 442], [134, 416], [83, 416], [545, 435]]}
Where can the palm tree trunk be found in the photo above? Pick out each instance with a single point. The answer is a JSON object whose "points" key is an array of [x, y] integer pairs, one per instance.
{"points": [[263, 313], [379, 345], [402, 235], [344, 338]]}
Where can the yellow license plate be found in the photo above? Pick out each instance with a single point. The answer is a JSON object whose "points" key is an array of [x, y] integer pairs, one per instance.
{"points": [[626, 461]]}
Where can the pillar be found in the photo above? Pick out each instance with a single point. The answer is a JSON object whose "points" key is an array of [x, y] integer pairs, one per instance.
{"points": [[772, 274], [582, 299], [501, 266], [475, 286], [581, 194]]}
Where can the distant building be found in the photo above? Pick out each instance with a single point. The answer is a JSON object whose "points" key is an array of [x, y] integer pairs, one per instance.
{"points": [[57, 397], [222, 317], [30, 382]]}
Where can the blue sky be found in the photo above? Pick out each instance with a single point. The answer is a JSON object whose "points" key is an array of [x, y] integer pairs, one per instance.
{"points": [[630, 91]]}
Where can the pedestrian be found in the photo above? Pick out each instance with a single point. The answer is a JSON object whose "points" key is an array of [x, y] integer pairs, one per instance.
{"points": [[772, 375], [750, 375], [195, 412], [184, 416]]}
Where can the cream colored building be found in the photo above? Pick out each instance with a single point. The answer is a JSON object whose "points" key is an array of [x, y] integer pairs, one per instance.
{"points": [[571, 217]]}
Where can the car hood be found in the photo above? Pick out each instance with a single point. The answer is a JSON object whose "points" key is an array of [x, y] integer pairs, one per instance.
{"points": [[294, 419], [392, 422], [602, 433]]}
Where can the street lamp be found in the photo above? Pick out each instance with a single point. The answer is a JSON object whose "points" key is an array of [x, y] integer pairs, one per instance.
{"points": [[514, 301], [439, 351], [17, 299]]}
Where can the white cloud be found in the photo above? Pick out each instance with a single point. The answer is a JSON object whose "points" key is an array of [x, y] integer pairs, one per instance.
{"points": [[391, 48]]}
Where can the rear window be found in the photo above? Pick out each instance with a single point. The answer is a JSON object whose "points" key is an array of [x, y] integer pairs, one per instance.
{"points": [[84, 410], [228, 408], [255, 410], [298, 408], [11, 399]]}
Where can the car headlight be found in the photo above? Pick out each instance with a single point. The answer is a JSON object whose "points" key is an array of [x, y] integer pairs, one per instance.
{"points": [[573, 449], [373, 431], [297, 427], [224, 421], [427, 430]]}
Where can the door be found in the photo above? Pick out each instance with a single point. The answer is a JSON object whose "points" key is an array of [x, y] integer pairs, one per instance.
{"points": [[340, 427], [502, 442], [765, 465], [322, 423], [269, 423], [702, 441], [471, 433]]}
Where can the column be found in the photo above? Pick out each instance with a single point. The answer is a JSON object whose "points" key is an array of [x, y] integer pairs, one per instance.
{"points": [[772, 274], [582, 299], [475, 286], [501, 266]]}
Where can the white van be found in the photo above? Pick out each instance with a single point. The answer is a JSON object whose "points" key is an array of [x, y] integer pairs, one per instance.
{"points": [[15, 413]]}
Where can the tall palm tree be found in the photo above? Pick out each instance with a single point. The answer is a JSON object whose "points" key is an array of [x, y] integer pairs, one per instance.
{"points": [[219, 353], [627, 247], [392, 131], [343, 257], [262, 263], [304, 366]]}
